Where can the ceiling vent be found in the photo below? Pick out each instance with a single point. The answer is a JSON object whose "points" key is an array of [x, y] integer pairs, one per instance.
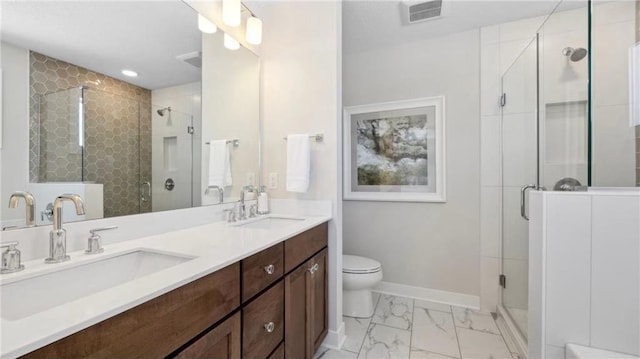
{"points": [[418, 11], [192, 58]]}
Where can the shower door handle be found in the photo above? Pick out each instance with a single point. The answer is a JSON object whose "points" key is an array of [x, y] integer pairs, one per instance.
{"points": [[523, 195], [146, 198]]}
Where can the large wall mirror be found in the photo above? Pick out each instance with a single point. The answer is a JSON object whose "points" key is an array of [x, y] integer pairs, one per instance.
{"points": [[75, 121]]}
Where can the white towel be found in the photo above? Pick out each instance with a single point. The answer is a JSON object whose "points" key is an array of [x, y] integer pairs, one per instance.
{"points": [[219, 164], [298, 163]]}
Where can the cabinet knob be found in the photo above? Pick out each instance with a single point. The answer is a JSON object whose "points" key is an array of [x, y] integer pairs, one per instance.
{"points": [[270, 269], [269, 327], [313, 269]]}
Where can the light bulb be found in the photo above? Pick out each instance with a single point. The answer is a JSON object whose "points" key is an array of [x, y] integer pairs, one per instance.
{"points": [[129, 73], [231, 12], [254, 31], [205, 25], [231, 43]]}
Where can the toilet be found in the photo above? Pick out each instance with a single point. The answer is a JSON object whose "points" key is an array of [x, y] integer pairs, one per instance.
{"points": [[359, 276]]}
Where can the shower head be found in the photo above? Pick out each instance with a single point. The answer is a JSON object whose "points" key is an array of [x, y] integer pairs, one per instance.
{"points": [[163, 110], [574, 55]]}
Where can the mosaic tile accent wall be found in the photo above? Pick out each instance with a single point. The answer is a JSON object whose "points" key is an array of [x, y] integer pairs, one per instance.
{"points": [[117, 132]]}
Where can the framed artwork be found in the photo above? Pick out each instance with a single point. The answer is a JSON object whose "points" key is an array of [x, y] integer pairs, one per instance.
{"points": [[394, 151]]}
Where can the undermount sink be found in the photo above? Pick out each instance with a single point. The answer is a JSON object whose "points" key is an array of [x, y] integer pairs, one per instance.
{"points": [[32, 295], [269, 222]]}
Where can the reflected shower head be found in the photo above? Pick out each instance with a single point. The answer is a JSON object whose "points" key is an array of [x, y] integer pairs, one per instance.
{"points": [[574, 55], [163, 110]]}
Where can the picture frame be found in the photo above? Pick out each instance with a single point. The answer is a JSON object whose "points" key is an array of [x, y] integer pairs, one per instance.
{"points": [[395, 151]]}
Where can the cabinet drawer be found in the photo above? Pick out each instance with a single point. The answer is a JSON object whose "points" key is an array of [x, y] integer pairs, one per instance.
{"points": [[221, 342], [299, 248], [263, 323], [262, 269]]}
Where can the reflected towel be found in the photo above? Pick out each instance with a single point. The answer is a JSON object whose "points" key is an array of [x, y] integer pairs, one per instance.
{"points": [[219, 164], [298, 163]]}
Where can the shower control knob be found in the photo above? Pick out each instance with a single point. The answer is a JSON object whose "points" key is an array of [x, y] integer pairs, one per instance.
{"points": [[169, 184]]}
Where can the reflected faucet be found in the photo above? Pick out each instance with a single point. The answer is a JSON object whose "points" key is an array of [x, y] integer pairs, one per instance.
{"points": [[58, 236], [220, 192], [30, 204], [243, 208]]}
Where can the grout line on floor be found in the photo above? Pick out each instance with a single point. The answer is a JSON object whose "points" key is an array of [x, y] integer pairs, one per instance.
{"points": [[413, 325], [455, 330]]}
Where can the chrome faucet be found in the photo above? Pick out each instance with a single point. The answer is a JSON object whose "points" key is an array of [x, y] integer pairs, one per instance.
{"points": [[243, 208], [220, 192], [30, 204], [58, 236]]}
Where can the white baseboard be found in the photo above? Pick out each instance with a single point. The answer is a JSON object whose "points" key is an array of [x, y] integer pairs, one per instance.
{"points": [[432, 295], [335, 339]]}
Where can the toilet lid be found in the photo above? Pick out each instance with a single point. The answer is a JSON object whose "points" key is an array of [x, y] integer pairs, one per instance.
{"points": [[356, 264]]}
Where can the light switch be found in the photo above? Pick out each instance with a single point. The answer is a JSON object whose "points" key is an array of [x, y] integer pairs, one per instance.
{"points": [[251, 179], [273, 180]]}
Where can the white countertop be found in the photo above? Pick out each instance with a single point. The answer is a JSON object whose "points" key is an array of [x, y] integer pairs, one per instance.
{"points": [[214, 245]]}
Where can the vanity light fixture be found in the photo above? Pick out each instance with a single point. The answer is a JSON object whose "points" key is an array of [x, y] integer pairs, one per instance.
{"points": [[254, 30], [205, 25], [231, 12], [129, 73], [231, 43]]}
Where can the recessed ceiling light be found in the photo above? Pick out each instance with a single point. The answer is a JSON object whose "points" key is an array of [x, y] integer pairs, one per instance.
{"points": [[129, 73]]}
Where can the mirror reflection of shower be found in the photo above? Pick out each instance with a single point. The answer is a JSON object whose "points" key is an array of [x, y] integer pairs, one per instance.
{"points": [[162, 111], [574, 55]]}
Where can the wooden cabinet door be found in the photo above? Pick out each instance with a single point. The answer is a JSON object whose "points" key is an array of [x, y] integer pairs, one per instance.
{"points": [[319, 309], [305, 295], [222, 342], [297, 336]]}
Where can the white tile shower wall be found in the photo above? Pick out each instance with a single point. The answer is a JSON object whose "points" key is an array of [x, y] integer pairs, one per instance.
{"points": [[585, 249], [423, 244], [302, 93], [613, 34], [185, 100]]}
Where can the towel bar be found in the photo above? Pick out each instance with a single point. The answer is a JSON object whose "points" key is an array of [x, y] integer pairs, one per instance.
{"points": [[319, 137], [235, 141]]}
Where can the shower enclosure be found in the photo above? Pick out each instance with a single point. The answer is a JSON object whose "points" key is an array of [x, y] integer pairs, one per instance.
{"points": [[564, 123], [93, 136], [544, 124]]}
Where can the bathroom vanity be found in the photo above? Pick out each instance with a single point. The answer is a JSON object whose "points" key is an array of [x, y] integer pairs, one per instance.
{"points": [[253, 290]]}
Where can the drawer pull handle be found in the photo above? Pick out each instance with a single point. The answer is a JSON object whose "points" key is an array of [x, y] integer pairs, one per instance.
{"points": [[270, 269], [269, 327]]}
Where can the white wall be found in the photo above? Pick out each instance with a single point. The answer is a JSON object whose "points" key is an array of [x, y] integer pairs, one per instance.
{"points": [[185, 102], [15, 131], [427, 245], [585, 250], [230, 109], [301, 93]]}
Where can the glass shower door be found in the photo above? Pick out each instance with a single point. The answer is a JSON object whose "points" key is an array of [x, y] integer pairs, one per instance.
{"points": [[519, 173]]}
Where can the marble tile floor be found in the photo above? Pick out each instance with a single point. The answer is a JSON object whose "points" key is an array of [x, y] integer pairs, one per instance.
{"points": [[404, 328]]}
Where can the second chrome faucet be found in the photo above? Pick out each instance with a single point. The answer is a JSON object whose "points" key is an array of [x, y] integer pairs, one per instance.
{"points": [[58, 236]]}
